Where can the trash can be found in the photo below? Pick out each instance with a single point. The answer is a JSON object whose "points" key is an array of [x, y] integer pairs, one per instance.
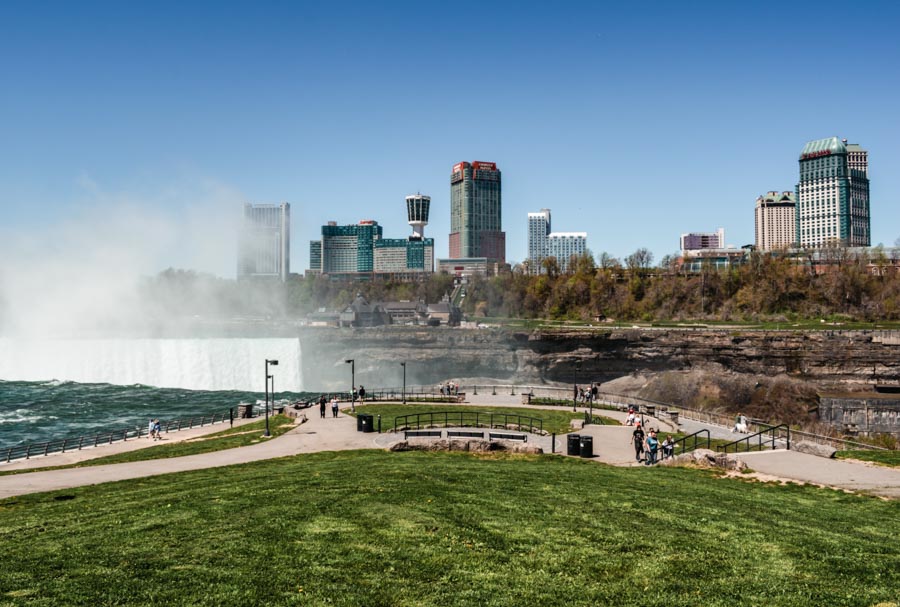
{"points": [[365, 422], [573, 445], [587, 446]]}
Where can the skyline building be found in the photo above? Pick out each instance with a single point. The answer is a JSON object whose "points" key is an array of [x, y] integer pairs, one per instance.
{"points": [[543, 243], [696, 241], [264, 243], [476, 213], [775, 221], [562, 245], [833, 195], [417, 208], [538, 231], [360, 251]]}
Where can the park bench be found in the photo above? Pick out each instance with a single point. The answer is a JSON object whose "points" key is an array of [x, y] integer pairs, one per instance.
{"points": [[508, 436], [464, 434], [421, 434]]}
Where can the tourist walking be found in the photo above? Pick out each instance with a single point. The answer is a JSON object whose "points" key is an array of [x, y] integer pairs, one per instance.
{"points": [[652, 447], [322, 402], [334, 407], [150, 429], [637, 437], [157, 433]]}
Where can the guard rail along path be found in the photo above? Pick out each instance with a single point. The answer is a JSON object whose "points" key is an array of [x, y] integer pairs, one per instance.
{"points": [[77, 443]]}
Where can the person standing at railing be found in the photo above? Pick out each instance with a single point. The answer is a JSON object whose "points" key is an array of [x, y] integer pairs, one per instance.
{"points": [[668, 447], [637, 437]]}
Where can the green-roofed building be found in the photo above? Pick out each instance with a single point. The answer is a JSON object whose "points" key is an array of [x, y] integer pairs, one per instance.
{"points": [[833, 195]]}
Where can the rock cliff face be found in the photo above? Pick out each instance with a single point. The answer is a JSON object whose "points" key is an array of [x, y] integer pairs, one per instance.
{"points": [[439, 353]]}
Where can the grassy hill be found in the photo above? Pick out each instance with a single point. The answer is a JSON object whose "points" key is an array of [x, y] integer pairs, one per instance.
{"points": [[376, 528]]}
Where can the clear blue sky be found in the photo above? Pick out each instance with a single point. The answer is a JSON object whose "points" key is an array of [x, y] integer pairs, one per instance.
{"points": [[635, 122]]}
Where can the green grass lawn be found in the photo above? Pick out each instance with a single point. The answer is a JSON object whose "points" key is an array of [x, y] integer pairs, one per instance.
{"points": [[558, 421], [240, 436], [375, 528], [883, 458]]}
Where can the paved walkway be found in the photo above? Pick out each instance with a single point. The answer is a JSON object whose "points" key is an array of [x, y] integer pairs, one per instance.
{"points": [[612, 445]]}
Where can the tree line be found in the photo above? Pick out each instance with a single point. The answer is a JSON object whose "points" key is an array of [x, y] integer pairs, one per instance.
{"points": [[773, 287]]}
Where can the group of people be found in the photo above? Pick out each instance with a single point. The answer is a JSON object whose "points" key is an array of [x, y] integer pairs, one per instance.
{"points": [[154, 430], [449, 389], [648, 448], [323, 401], [740, 424], [586, 395]]}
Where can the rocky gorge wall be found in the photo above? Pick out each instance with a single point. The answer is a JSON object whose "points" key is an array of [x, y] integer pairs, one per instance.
{"points": [[435, 354]]}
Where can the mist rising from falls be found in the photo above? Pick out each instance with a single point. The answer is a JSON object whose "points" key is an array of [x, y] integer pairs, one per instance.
{"points": [[190, 363]]}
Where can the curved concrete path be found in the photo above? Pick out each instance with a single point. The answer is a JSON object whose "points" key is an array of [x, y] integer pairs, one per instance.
{"points": [[612, 445]]}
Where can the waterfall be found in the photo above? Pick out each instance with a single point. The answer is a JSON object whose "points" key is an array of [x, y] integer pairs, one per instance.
{"points": [[193, 364]]}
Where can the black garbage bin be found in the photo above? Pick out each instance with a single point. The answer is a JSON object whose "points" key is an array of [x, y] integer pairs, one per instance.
{"points": [[587, 446], [573, 447], [365, 422]]}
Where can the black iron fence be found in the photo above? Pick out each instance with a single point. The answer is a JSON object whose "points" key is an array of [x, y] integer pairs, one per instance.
{"points": [[108, 437], [466, 419]]}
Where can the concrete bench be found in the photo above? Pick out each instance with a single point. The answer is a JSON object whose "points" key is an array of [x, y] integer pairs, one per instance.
{"points": [[464, 434], [508, 436], [421, 434]]}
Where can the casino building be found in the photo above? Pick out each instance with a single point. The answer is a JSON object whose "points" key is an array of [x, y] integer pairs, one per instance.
{"points": [[475, 213], [833, 195]]}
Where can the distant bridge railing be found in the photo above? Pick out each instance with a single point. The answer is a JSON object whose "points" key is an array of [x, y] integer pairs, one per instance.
{"points": [[78, 443]]}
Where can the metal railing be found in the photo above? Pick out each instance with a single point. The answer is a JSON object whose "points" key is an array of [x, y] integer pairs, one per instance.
{"points": [[78, 443], [768, 438], [466, 419], [611, 399], [681, 445]]}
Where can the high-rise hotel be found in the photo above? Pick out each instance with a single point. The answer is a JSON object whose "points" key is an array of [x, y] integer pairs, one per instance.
{"points": [[264, 248], [543, 243], [775, 222], [475, 213], [833, 195]]}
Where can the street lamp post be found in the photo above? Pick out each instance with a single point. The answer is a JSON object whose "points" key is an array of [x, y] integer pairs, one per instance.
{"points": [[575, 391], [591, 418], [352, 363], [403, 394], [273, 363]]}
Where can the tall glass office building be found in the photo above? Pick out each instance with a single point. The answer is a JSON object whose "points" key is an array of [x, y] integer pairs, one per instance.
{"points": [[264, 245], [833, 195], [475, 212]]}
